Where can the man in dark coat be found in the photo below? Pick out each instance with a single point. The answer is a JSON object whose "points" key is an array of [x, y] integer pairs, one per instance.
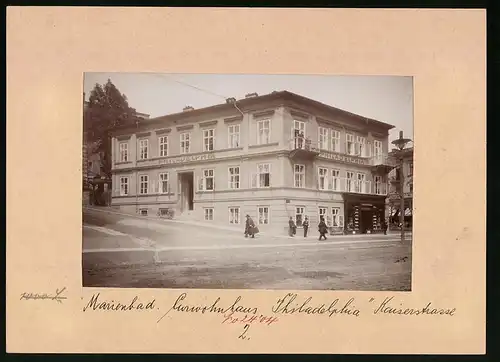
{"points": [[322, 228], [384, 226], [305, 225], [249, 227], [291, 227]]}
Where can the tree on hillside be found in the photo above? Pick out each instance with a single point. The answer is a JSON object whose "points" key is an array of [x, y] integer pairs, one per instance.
{"points": [[106, 109]]}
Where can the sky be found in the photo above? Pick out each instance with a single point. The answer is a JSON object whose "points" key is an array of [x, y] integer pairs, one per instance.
{"points": [[385, 98]]}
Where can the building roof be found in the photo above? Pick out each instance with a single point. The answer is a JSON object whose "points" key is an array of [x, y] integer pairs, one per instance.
{"points": [[247, 103]]}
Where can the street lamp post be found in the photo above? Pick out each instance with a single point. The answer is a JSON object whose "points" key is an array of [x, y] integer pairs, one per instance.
{"points": [[400, 143]]}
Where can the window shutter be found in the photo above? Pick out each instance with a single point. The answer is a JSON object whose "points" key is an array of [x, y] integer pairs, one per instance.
{"points": [[199, 181], [330, 183], [253, 180], [369, 149], [341, 220]]}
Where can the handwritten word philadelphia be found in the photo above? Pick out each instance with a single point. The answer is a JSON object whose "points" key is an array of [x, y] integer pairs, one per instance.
{"points": [[288, 305], [134, 304]]}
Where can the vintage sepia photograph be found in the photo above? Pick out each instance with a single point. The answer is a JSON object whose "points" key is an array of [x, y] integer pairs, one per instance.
{"points": [[247, 181]]}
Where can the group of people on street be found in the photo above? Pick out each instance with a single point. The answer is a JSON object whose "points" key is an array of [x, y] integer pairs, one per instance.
{"points": [[251, 229], [322, 228]]}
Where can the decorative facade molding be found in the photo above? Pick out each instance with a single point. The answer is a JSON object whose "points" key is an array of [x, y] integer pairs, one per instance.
{"points": [[266, 113], [163, 131], [123, 138], [233, 119], [185, 127], [208, 123]]}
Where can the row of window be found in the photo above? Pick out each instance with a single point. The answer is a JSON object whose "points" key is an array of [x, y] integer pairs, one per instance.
{"points": [[332, 216], [328, 179], [263, 137], [329, 140]]}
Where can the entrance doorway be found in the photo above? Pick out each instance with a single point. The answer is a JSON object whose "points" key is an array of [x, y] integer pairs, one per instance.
{"points": [[186, 194], [366, 219]]}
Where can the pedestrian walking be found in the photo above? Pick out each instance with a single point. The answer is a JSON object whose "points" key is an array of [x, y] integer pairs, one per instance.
{"points": [[249, 227], [305, 225], [384, 226], [292, 229], [322, 228]]}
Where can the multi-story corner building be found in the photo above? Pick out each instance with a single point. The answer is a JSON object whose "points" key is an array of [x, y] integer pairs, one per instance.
{"points": [[394, 197], [273, 157]]}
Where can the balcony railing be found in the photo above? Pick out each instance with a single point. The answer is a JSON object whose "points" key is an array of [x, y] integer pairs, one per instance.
{"points": [[303, 147], [383, 160], [303, 143], [340, 184]]}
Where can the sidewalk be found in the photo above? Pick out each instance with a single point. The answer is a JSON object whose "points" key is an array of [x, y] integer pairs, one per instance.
{"points": [[239, 230]]}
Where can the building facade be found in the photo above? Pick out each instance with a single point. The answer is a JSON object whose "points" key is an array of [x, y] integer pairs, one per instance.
{"points": [[273, 157], [394, 197]]}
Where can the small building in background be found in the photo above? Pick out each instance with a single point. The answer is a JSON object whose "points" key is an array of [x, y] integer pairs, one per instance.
{"points": [[394, 197]]}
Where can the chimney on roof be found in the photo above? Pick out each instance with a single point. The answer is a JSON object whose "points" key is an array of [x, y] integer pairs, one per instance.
{"points": [[231, 100], [188, 108], [251, 95]]}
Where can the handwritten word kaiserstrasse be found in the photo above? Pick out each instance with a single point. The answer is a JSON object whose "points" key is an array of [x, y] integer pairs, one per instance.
{"points": [[57, 296], [386, 308], [214, 307], [95, 304], [286, 305]]}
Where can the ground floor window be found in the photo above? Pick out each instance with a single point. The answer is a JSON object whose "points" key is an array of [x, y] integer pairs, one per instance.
{"points": [[299, 215], [123, 186], [263, 212], [144, 184], [234, 215], [322, 213], [337, 218], [209, 213], [166, 212], [143, 212]]}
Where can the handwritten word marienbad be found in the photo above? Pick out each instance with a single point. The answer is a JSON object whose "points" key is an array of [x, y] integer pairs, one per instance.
{"points": [[135, 304]]}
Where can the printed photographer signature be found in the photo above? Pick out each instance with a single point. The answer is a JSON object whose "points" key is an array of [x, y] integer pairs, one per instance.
{"points": [[58, 297]]}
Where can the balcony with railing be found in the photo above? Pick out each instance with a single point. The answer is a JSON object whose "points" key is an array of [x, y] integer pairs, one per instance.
{"points": [[383, 163], [340, 184], [302, 147]]}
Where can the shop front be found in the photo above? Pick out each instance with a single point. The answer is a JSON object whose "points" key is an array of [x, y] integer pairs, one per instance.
{"points": [[395, 212], [364, 214]]}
